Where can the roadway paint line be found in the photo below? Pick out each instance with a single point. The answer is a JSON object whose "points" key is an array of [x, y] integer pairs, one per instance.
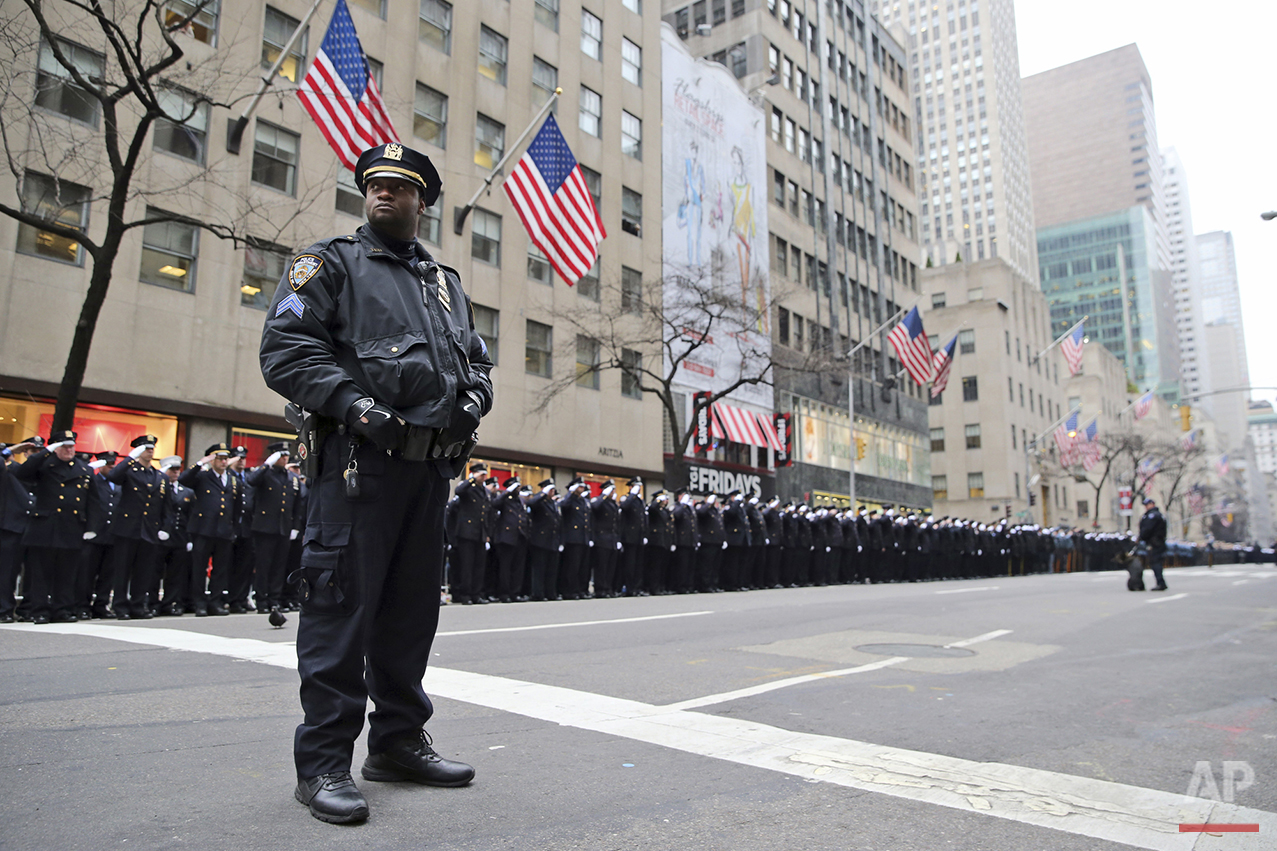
{"points": [[564, 625], [1241, 581], [967, 590], [1114, 812], [1166, 599], [988, 636], [762, 688]]}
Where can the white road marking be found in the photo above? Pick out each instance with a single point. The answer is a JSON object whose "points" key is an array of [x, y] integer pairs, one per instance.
{"points": [[988, 636], [966, 590], [1114, 812], [1166, 599], [1241, 581], [564, 625], [762, 688]]}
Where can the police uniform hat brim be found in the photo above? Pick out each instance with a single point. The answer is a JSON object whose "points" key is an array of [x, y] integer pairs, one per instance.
{"points": [[658, 493], [545, 483], [144, 440], [171, 461], [396, 160], [732, 493], [106, 455], [680, 491], [62, 435], [282, 447], [1149, 501], [478, 468], [513, 480], [218, 449], [240, 452], [637, 480], [576, 480]]}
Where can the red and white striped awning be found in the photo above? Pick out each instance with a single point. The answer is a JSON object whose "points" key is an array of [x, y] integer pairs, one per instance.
{"points": [[741, 426]]}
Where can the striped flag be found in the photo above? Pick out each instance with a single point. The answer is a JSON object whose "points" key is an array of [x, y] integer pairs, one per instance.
{"points": [[1066, 438], [1147, 469], [550, 195], [1143, 405], [342, 96], [1196, 500], [1188, 441], [1221, 466], [943, 362], [1072, 348], [910, 343], [1091, 450]]}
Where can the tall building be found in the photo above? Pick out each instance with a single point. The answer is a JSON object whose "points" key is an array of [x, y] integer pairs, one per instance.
{"points": [[1186, 282], [843, 232], [175, 352], [1221, 294], [972, 154], [1092, 139]]}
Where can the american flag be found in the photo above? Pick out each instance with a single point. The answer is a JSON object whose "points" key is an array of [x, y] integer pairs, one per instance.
{"points": [[1221, 466], [342, 96], [1196, 500], [550, 195], [1066, 440], [910, 343], [943, 362], [1091, 450], [1189, 440], [1147, 469], [1143, 405], [1072, 348]]}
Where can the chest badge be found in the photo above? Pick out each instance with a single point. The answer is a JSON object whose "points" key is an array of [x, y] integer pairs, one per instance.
{"points": [[444, 297]]}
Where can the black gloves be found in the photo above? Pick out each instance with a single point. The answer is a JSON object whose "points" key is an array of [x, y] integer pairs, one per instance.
{"points": [[464, 420], [376, 422]]}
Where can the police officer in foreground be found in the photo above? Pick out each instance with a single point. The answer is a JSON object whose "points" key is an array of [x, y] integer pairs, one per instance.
{"points": [[375, 341]]}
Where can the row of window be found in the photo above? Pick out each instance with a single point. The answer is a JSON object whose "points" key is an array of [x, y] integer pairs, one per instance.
{"points": [[538, 357], [699, 15], [975, 487]]}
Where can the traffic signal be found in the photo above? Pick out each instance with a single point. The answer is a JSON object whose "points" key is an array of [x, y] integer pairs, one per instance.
{"points": [[862, 446], [1185, 417], [1033, 500]]}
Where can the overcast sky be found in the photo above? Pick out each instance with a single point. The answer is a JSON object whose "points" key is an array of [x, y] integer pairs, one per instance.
{"points": [[1214, 75]]}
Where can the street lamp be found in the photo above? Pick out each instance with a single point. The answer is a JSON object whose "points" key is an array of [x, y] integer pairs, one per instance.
{"points": [[1269, 216]]}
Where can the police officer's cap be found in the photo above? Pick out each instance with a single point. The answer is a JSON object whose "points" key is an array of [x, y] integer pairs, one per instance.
{"points": [[680, 491], [607, 483], [219, 449], [396, 160], [513, 480], [545, 483], [240, 452], [637, 480], [106, 455], [144, 440], [658, 493], [491, 480], [478, 468], [171, 461], [1148, 500], [281, 447], [62, 435], [576, 480], [732, 493]]}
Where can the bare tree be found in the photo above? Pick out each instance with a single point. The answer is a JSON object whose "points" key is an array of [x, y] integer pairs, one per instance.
{"points": [[75, 125], [1114, 449]]}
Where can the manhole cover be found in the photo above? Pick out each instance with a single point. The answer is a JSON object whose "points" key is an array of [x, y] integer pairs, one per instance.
{"points": [[915, 650]]}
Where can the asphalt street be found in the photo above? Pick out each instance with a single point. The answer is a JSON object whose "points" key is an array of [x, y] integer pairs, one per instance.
{"points": [[1041, 712]]}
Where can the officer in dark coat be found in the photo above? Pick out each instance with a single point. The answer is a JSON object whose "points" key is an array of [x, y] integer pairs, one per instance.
{"points": [[658, 559], [243, 557], [219, 499], [735, 560], [774, 525], [510, 528], [756, 560], [544, 542], [94, 582], [607, 539], [55, 532], [138, 527], [15, 506], [578, 539], [851, 547], [1153, 537], [276, 522], [633, 522], [687, 541], [374, 337], [713, 541], [175, 553], [468, 534]]}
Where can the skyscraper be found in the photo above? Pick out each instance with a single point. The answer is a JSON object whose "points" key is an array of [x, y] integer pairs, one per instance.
{"points": [[1221, 295], [1185, 278], [973, 161]]}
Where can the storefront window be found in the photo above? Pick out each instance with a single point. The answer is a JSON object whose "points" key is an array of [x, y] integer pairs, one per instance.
{"points": [[824, 439], [529, 474], [99, 428], [256, 441]]}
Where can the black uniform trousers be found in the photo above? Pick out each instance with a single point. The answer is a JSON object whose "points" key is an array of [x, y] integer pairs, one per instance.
{"points": [[605, 557], [11, 551], [654, 570], [772, 557], [221, 551], [133, 565], [51, 581], [177, 578], [735, 567], [543, 565], [631, 569], [574, 571], [465, 576], [511, 560], [709, 559], [681, 580], [271, 555], [242, 563], [93, 589], [371, 569]]}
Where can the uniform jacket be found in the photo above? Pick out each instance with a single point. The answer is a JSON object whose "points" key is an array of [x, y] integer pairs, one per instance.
{"points": [[364, 322], [736, 524], [850, 532], [607, 521], [15, 500], [473, 505], [633, 520], [709, 523], [660, 526], [103, 499], [143, 500], [578, 519], [685, 532], [757, 529], [511, 523], [774, 521], [61, 500], [217, 506], [275, 501], [1153, 529], [547, 523]]}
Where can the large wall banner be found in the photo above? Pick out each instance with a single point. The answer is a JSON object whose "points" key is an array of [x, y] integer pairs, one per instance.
{"points": [[714, 225]]}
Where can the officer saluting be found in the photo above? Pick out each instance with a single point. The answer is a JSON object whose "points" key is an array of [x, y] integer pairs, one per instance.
{"points": [[376, 339]]}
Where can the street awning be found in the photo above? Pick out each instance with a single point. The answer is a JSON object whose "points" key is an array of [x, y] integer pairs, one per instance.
{"points": [[742, 426]]}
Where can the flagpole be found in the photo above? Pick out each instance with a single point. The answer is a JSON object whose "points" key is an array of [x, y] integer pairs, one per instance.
{"points": [[1060, 339], [1032, 444], [460, 213], [1133, 404], [851, 405], [235, 135]]}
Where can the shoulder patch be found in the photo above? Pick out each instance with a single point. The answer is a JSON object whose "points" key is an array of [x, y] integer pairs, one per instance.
{"points": [[303, 269]]}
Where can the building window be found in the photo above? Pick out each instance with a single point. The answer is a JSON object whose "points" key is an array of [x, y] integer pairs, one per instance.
{"points": [[631, 62], [547, 12], [937, 300], [430, 225], [591, 35], [485, 237], [738, 60], [594, 182], [493, 52], [275, 157], [782, 326], [937, 440], [633, 5], [539, 268], [1083, 508], [487, 326], [939, 488], [631, 211], [975, 485], [536, 357], [1013, 446], [631, 290], [545, 79], [587, 362], [972, 433], [591, 120], [349, 201], [631, 135], [489, 141], [430, 116], [970, 389], [264, 266], [57, 202], [435, 26], [278, 29], [588, 286], [200, 25], [937, 399], [966, 341], [168, 253], [183, 130], [56, 91], [631, 369]]}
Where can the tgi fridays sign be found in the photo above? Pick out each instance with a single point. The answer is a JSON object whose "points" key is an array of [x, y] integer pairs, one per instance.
{"points": [[709, 480]]}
